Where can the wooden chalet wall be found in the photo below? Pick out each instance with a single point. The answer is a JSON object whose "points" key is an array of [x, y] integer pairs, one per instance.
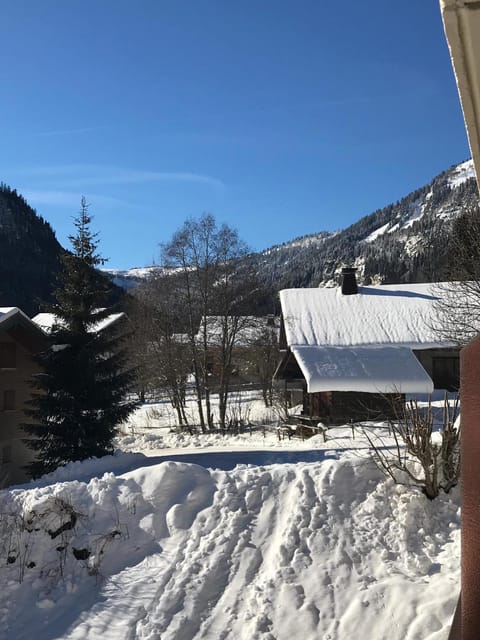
{"points": [[340, 407], [16, 369], [442, 365]]}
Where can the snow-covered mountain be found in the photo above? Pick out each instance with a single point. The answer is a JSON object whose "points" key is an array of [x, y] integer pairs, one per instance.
{"points": [[403, 242], [131, 278]]}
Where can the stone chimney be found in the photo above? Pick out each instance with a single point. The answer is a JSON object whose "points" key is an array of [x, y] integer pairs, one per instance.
{"points": [[349, 281]]}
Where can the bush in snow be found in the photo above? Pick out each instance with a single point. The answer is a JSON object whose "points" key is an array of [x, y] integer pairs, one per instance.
{"points": [[281, 404], [423, 455], [238, 415], [48, 536]]}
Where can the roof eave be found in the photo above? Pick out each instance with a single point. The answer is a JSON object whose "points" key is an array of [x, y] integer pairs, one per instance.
{"points": [[461, 20]]}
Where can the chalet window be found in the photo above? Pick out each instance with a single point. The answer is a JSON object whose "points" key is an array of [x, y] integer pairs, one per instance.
{"points": [[446, 373], [8, 355], [9, 400]]}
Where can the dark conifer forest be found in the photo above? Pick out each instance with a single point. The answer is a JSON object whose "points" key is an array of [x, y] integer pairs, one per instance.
{"points": [[29, 254]]}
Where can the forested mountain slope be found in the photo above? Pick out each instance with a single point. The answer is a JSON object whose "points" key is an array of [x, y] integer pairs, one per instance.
{"points": [[403, 242], [29, 254]]}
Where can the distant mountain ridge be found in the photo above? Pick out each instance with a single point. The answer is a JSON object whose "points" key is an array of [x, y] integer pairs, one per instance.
{"points": [[400, 243], [404, 242]]}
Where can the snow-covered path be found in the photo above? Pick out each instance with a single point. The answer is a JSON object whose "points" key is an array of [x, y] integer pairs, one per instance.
{"points": [[284, 549], [324, 549]]}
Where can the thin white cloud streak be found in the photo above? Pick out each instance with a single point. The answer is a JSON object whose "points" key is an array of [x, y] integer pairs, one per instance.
{"points": [[90, 174], [68, 132], [68, 198]]}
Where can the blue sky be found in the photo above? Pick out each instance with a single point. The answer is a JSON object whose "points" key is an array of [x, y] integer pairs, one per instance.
{"points": [[281, 118]]}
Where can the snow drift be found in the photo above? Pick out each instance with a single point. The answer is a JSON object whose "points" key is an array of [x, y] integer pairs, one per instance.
{"points": [[326, 549]]}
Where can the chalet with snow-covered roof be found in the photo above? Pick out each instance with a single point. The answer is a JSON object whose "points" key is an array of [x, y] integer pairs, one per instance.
{"points": [[352, 350], [20, 338]]}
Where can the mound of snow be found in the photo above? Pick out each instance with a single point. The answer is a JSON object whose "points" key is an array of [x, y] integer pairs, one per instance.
{"points": [[328, 549]]}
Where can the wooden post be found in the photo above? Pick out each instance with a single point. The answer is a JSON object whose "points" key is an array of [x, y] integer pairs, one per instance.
{"points": [[456, 630], [466, 623]]}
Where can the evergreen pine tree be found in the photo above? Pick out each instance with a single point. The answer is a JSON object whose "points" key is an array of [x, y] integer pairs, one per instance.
{"points": [[80, 393]]}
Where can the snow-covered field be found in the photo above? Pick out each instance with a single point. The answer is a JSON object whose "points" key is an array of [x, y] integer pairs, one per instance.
{"points": [[247, 538]]}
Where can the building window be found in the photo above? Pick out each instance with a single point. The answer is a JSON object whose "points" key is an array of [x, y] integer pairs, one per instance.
{"points": [[8, 355], [9, 400]]}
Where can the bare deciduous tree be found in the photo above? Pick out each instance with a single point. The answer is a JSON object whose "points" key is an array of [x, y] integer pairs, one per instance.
{"points": [[213, 279], [265, 356], [157, 348], [458, 307]]}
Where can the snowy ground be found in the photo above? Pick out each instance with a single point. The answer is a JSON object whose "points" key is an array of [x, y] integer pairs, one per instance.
{"points": [[247, 538]]}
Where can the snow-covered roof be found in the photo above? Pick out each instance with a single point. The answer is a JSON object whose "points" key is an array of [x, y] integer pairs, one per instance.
{"points": [[365, 369], [11, 316], [401, 315], [46, 321]]}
